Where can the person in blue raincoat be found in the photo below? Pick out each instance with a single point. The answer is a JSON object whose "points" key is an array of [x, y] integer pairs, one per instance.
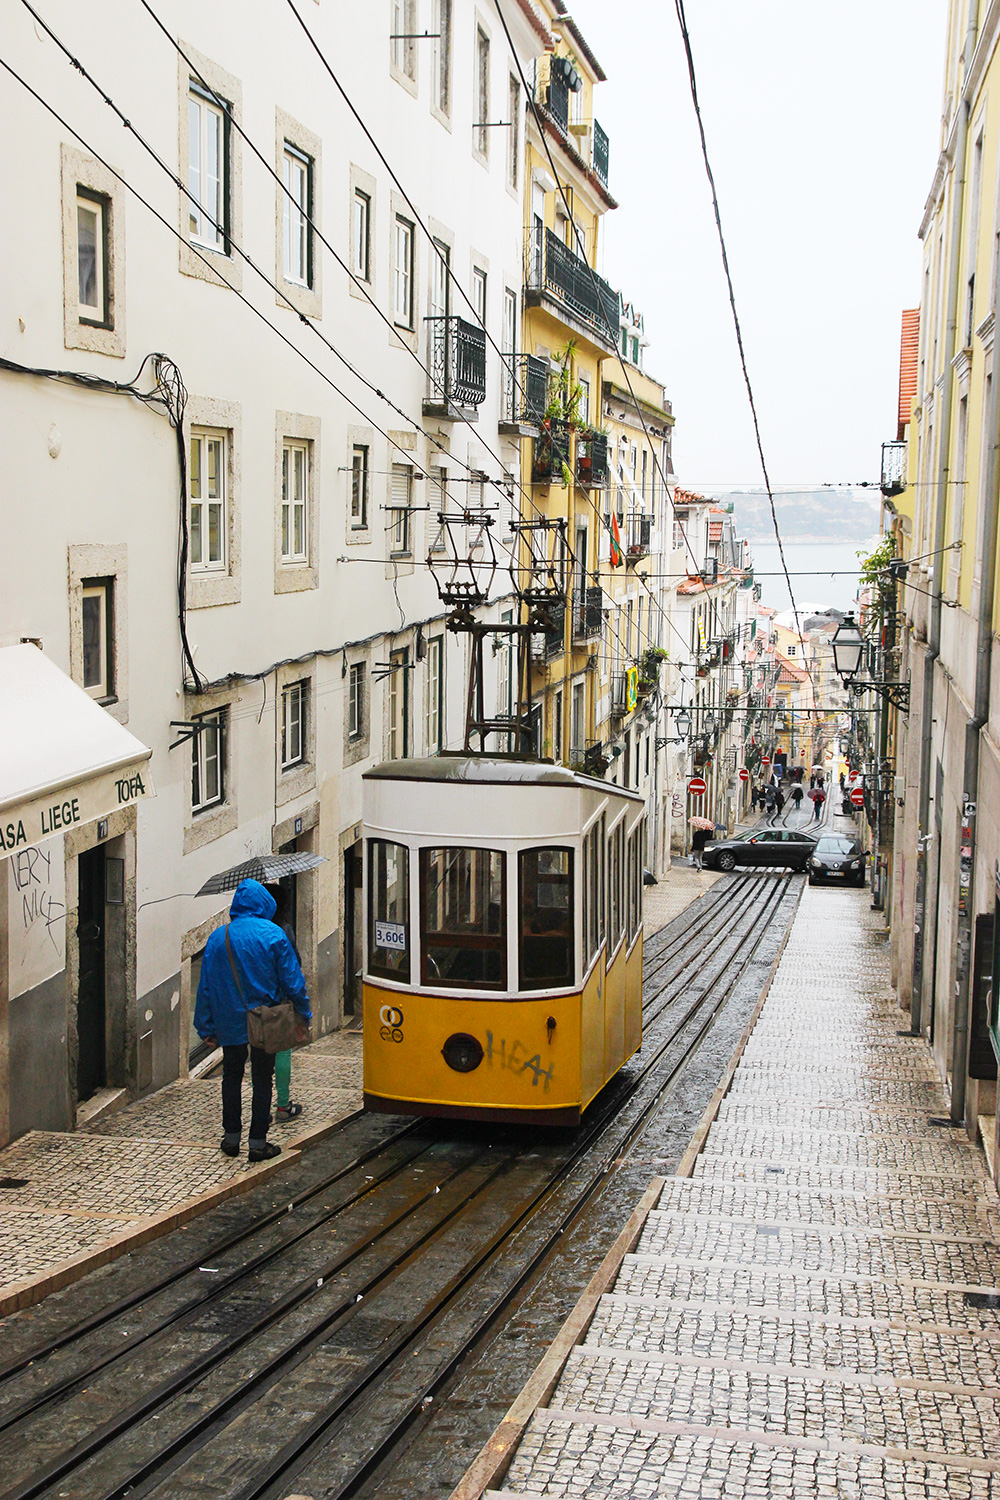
{"points": [[269, 972]]}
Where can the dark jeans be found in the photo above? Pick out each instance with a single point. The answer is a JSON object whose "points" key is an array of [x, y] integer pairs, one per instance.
{"points": [[234, 1060]]}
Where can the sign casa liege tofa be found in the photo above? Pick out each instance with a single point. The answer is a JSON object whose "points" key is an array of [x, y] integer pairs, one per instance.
{"points": [[28, 822]]}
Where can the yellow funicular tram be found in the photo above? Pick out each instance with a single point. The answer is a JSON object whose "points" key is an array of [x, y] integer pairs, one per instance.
{"points": [[503, 892], [503, 952]]}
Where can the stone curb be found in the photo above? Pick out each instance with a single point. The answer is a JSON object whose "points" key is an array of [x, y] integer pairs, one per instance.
{"points": [[34, 1289]]}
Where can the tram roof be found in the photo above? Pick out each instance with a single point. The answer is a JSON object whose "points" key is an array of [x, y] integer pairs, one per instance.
{"points": [[497, 770]]}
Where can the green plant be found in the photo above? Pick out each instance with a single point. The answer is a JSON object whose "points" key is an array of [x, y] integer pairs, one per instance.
{"points": [[876, 576], [565, 394]]}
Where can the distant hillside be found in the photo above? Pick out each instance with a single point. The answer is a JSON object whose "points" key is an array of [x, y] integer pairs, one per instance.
{"points": [[803, 516]]}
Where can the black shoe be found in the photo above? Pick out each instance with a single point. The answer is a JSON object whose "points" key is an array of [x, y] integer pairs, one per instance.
{"points": [[230, 1146], [268, 1150]]}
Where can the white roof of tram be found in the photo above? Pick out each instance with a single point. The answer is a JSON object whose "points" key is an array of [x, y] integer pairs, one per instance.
{"points": [[492, 770]]}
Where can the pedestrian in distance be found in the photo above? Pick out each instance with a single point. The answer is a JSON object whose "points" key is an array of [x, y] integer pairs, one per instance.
{"points": [[812, 780], [797, 796], [699, 839], [285, 1108], [248, 963], [779, 800], [818, 801]]}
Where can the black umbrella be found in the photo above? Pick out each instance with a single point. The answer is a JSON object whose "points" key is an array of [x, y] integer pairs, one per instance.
{"points": [[267, 868]]}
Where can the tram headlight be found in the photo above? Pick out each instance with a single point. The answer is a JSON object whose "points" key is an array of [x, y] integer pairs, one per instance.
{"points": [[462, 1052]]}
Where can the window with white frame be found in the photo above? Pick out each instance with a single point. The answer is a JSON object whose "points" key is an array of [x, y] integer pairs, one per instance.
{"points": [[356, 701], [402, 272], [294, 501], [208, 169], [585, 399], [505, 673], [433, 694], [297, 176], [404, 25], [399, 704], [557, 727], [293, 724], [207, 483], [208, 760], [97, 603], [359, 487], [361, 235], [400, 489], [514, 132], [481, 132], [479, 293], [442, 56], [92, 212], [578, 721]]}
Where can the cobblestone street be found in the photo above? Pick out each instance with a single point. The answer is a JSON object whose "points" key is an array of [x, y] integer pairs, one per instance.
{"points": [[815, 1311], [70, 1200]]}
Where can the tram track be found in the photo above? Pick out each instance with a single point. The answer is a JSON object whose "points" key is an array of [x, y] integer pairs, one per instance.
{"points": [[275, 1350]]}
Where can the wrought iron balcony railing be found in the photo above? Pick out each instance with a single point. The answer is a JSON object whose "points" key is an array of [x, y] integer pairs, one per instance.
{"points": [[555, 631], [525, 389], [600, 154], [588, 613], [592, 459], [551, 453], [552, 267], [893, 469], [640, 533], [557, 101], [456, 361]]}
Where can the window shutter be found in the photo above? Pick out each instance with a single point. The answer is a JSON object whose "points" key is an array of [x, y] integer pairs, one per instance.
{"points": [[400, 486]]}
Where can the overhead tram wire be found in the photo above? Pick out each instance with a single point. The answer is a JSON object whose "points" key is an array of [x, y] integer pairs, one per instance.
{"points": [[693, 82], [376, 390], [405, 453], [356, 281], [408, 455]]}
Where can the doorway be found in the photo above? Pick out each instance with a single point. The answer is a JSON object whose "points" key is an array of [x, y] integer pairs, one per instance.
{"points": [[286, 895], [91, 1021], [353, 930]]}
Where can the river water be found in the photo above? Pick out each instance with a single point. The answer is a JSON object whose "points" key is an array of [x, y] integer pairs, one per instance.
{"points": [[823, 573]]}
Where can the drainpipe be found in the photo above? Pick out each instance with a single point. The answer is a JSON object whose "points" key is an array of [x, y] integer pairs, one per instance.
{"points": [[924, 904], [980, 715]]}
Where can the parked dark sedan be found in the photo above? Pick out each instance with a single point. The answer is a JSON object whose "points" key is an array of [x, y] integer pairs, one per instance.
{"points": [[837, 857], [762, 847]]}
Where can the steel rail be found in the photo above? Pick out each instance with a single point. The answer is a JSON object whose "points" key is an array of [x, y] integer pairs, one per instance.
{"points": [[186, 1442]]}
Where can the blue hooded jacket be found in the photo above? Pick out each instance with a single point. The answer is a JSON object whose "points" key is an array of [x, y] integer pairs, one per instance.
{"points": [[265, 960]]}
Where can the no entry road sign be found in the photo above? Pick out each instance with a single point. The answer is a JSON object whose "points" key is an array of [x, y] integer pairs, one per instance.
{"points": [[697, 786], [858, 797], [765, 760], [744, 774]]}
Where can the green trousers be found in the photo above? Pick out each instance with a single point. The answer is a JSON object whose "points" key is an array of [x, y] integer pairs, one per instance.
{"points": [[282, 1076]]}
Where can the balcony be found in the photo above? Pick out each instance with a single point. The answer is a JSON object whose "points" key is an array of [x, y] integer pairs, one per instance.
{"points": [[456, 364], [588, 613], [553, 270], [525, 392], [550, 459], [893, 469], [592, 460], [555, 632], [638, 537]]}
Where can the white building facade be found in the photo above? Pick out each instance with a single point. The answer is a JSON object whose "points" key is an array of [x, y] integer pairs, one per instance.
{"points": [[229, 553]]}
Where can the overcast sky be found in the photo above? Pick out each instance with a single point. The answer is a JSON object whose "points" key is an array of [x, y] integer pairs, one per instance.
{"points": [[823, 127]]}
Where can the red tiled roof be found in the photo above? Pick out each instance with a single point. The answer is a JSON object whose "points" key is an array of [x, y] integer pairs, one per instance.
{"points": [[789, 671], [908, 346], [689, 497], [541, 30], [715, 531]]}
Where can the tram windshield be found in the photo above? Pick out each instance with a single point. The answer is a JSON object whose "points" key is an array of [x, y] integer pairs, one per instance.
{"points": [[463, 920], [546, 908], [389, 907]]}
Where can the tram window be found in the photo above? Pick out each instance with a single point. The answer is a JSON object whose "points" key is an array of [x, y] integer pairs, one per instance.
{"points": [[389, 910], [615, 913], [463, 918], [593, 892], [546, 913]]}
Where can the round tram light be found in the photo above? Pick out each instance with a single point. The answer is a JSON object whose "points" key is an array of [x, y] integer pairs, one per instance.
{"points": [[462, 1052]]}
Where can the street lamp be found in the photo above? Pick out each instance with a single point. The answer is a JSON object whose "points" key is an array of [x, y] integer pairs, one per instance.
{"points": [[848, 648], [683, 723]]}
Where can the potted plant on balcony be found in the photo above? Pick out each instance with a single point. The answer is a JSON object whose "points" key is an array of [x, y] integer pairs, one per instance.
{"points": [[591, 455], [649, 668]]}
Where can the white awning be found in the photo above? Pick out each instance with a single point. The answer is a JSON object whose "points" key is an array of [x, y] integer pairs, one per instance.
{"points": [[63, 760]]}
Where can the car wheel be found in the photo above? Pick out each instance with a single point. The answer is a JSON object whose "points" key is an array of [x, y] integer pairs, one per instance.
{"points": [[727, 860], [813, 880]]}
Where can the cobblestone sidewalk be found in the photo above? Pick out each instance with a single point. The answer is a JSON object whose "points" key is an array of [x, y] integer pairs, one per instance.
{"points": [[816, 1312], [70, 1201]]}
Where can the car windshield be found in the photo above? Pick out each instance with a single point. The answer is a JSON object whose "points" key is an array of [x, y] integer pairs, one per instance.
{"points": [[833, 845]]}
